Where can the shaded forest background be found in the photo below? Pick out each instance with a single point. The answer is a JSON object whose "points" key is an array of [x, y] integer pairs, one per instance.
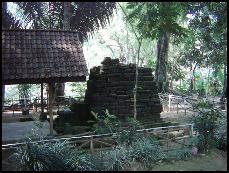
{"points": [[184, 43]]}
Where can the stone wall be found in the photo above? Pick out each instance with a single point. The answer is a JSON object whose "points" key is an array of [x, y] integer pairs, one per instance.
{"points": [[110, 86]]}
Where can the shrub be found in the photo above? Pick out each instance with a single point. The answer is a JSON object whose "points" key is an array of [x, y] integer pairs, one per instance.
{"points": [[178, 154], [206, 123], [221, 133], [105, 123], [116, 160], [127, 137], [49, 157], [146, 151]]}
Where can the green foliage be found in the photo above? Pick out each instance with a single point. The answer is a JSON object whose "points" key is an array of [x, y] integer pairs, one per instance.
{"points": [[50, 157], [200, 87], [202, 104], [116, 159], [105, 123], [206, 123], [221, 133], [131, 146], [178, 154], [183, 87], [9, 21], [215, 86], [86, 17], [207, 41], [24, 90], [79, 88], [154, 19], [128, 136], [110, 124], [146, 151]]}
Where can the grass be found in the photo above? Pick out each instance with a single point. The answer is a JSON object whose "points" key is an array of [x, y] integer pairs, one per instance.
{"points": [[214, 161]]}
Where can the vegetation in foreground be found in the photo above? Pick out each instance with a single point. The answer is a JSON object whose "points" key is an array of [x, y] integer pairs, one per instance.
{"points": [[131, 148]]}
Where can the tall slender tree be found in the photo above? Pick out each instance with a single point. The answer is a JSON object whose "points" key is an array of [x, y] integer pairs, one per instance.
{"points": [[158, 20]]}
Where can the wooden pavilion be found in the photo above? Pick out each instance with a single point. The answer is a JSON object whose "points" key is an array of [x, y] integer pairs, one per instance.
{"points": [[42, 56]]}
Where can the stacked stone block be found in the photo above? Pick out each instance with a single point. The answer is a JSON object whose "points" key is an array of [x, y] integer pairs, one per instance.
{"points": [[111, 85]]}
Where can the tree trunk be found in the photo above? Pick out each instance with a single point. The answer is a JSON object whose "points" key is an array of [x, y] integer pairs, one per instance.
{"points": [[224, 94], [50, 91], [3, 95], [67, 13], [192, 81], [4, 7], [136, 81], [42, 116], [162, 62]]}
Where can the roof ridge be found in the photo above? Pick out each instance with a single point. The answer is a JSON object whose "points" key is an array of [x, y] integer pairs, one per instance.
{"points": [[48, 30]]}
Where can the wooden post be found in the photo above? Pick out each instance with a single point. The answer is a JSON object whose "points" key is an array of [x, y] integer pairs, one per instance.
{"points": [[167, 140], [50, 90], [70, 100], [177, 106], [191, 130], [33, 105], [169, 102], [91, 144], [146, 134], [3, 96], [36, 104], [47, 98], [42, 102], [226, 104]]}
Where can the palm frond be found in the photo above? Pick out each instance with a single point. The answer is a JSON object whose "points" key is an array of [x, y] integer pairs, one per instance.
{"points": [[86, 17], [8, 20], [32, 12], [90, 16]]}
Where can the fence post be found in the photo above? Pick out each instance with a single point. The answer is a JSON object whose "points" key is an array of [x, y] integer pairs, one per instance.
{"points": [[177, 106], [169, 102], [191, 130], [36, 104], [70, 100], [167, 139], [91, 144], [146, 134]]}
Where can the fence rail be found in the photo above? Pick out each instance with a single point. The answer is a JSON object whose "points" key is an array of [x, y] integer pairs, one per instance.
{"points": [[185, 103], [101, 139], [34, 104]]}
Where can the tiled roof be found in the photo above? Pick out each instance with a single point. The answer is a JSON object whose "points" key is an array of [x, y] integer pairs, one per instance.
{"points": [[34, 56]]}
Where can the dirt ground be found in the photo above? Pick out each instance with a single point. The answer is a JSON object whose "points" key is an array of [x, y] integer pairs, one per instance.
{"points": [[215, 161]]}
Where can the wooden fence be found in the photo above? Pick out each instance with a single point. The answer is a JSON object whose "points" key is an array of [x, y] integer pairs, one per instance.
{"points": [[96, 142], [184, 103], [36, 103]]}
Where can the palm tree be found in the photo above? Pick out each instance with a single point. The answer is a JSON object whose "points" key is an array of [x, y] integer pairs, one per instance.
{"points": [[86, 17], [8, 20]]}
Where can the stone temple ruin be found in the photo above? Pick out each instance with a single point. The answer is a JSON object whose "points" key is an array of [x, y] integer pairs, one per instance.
{"points": [[111, 85]]}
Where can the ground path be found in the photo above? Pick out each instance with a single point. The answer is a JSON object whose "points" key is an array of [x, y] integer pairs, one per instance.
{"points": [[215, 161]]}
